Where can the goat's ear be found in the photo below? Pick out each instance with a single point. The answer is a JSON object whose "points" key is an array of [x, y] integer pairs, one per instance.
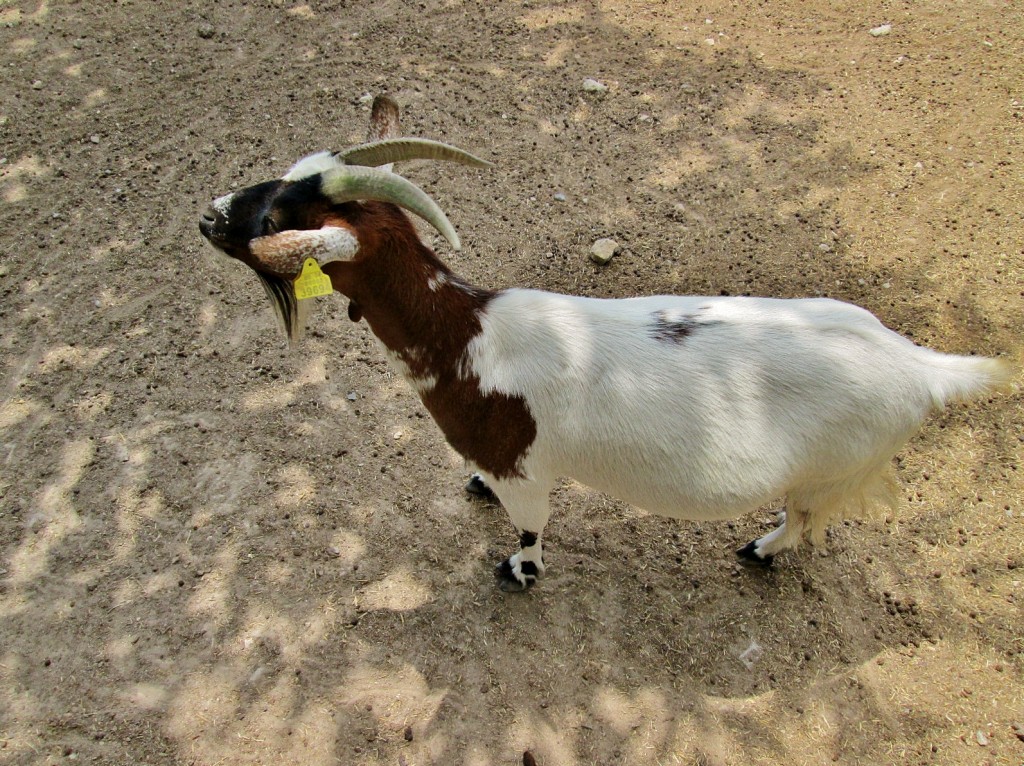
{"points": [[284, 253], [384, 121]]}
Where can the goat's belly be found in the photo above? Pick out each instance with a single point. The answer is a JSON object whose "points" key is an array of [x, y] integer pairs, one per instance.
{"points": [[672, 488]]}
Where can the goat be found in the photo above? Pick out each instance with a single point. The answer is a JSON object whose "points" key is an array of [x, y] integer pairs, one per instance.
{"points": [[690, 407]]}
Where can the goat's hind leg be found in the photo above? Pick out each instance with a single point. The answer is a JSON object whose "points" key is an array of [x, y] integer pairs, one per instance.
{"points": [[527, 506], [762, 550]]}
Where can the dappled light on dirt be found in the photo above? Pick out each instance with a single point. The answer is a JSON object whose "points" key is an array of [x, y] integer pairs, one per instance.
{"points": [[13, 177], [54, 516]]}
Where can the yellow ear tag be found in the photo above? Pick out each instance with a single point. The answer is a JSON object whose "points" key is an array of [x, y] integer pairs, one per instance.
{"points": [[312, 282]]}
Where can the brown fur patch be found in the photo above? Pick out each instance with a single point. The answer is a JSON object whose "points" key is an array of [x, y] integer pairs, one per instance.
{"points": [[429, 330], [494, 431]]}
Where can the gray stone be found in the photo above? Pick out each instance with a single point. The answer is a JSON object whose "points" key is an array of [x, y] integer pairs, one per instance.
{"points": [[603, 249]]}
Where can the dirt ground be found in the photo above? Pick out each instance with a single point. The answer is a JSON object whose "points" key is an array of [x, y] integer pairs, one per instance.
{"points": [[215, 549]]}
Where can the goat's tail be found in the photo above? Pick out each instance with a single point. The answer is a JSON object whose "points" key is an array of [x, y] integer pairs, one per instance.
{"points": [[873, 490], [955, 378]]}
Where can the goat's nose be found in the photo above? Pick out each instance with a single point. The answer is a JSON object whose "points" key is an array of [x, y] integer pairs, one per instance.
{"points": [[207, 221]]}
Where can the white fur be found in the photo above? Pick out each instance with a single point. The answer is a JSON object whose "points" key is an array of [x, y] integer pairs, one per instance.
{"points": [[761, 398], [422, 385], [223, 205], [312, 165], [438, 280]]}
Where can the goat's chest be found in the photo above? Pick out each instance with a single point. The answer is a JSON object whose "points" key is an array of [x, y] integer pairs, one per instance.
{"points": [[493, 430]]}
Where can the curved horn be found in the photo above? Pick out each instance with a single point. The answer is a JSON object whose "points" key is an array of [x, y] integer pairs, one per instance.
{"points": [[353, 182], [382, 152]]}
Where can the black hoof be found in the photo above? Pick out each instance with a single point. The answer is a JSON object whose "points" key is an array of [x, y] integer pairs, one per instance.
{"points": [[507, 581], [750, 555], [476, 486]]}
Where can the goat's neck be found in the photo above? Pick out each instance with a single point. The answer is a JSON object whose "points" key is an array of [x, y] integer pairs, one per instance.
{"points": [[426, 317], [418, 308]]}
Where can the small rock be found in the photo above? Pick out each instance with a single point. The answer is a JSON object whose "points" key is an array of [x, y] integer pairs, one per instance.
{"points": [[594, 86], [881, 31], [334, 550], [352, 396], [1018, 730], [982, 739], [559, 197], [37, 85], [94, 139], [206, 31], [825, 247], [603, 250], [366, 99]]}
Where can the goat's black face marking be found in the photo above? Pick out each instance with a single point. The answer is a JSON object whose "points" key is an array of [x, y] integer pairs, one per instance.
{"points": [[300, 204], [233, 221], [263, 209]]}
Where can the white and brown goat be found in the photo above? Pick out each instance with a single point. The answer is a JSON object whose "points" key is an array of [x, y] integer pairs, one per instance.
{"points": [[690, 407]]}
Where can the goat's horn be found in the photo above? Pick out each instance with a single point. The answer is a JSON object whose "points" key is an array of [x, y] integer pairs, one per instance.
{"points": [[351, 182], [382, 152]]}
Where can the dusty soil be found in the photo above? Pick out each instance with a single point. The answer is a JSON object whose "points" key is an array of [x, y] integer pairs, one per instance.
{"points": [[217, 550]]}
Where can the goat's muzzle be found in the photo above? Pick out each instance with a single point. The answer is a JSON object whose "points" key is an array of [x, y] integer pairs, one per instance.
{"points": [[208, 224], [213, 226], [291, 312]]}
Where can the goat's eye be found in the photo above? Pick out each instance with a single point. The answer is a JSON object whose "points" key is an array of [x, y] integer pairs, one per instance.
{"points": [[270, 225]]}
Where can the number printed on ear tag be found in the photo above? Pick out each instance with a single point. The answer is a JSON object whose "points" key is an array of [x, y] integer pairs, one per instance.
{"points": [[312, 282]]}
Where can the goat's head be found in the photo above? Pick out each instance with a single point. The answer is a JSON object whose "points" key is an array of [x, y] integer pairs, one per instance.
{"points": [[275, 226]]}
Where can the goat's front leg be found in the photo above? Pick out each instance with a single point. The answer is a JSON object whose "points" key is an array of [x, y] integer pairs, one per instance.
{"points": [[477, 486], [527, 504]]}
